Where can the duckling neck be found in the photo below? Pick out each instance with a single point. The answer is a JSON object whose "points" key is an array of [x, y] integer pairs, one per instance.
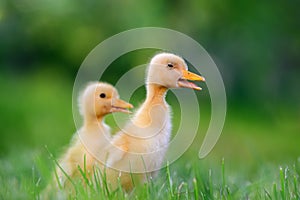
{"points": [[154, 110], [93, 122], [156, 94]]}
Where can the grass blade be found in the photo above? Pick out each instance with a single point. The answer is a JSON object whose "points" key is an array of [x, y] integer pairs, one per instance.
{"points": [[275, 192], [83, 174], [223, 174], [210, 183], [170, 180], [196, 192], [282, 183], [63, 171]]}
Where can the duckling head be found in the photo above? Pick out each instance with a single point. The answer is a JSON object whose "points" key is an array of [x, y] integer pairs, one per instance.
{"points": [[99, 99], [171, 71]]}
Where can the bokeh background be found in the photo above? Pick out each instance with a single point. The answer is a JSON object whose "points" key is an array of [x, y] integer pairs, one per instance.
{"points": [[256, 46]]}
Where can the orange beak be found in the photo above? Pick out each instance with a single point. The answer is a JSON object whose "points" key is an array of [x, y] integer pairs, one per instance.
{"points": [[119, 105], [187, 75]]}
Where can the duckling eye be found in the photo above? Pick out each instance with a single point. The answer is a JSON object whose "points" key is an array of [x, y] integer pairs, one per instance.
{"points": [[102, 95], [170, 65]]}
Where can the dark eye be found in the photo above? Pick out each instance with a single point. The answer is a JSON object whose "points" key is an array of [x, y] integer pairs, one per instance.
{"points": [[170, 65], [102, 95]]}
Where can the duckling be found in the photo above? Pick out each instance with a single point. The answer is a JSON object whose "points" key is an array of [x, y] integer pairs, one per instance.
{"points": [[97, 100], [141, 145]]}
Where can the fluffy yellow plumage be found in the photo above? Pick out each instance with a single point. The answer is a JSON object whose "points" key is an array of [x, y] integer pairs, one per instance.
{"points": [[141, 145], [97, 100]]}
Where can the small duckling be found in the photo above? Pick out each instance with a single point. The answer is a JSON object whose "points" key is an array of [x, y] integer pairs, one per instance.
{"points": [[141, 145], [97, 100]]}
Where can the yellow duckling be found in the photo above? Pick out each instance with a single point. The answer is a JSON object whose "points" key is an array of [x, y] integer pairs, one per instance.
{"points": [[140, 147], [97, 100]]}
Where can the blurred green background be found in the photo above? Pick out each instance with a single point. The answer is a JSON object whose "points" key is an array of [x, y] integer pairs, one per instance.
{"points": [[256, 46]]}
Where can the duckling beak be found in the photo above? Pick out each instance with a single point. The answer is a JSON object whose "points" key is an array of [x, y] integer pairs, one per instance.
{"points": [[119, 105], [187, 75]]}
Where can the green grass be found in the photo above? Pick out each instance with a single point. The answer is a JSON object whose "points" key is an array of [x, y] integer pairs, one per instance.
{"points": [[25, 176]]}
